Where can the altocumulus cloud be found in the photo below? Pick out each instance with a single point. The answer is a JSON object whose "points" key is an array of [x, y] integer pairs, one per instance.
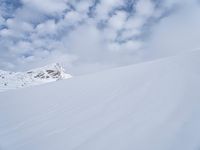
{"points": [[88, 35]]}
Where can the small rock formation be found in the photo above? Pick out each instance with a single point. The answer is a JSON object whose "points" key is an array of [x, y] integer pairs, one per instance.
{"points": [[14, 80]]}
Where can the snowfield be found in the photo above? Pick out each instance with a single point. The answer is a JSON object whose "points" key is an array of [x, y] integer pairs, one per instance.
{"points": [[148, 106]]}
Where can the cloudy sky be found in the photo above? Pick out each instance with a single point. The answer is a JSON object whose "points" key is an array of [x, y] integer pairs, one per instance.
{"points": [[90, 35]]}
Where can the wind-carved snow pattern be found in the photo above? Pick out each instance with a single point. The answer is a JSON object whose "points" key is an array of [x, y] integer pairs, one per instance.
{"points": [[148, 106]]}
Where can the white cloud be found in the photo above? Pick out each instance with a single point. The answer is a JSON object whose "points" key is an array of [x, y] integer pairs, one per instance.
{"points": [[19, 26], [74, 36], [1, 20], [127, 47], [46, 28], [86, 42], [6, 33], [118, 20], [42, 32], [46, 6], [105, 7], [82, 7], [73, 17], [145, 8], [134, 22], [177, 33], [21, 47]]}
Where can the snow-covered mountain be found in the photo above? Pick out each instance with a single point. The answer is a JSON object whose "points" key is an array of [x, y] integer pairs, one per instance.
{"points": [[148, 106], [50, 73]]}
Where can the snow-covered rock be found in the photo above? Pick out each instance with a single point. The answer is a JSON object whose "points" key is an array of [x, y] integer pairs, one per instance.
{"points": [[50, 73]]}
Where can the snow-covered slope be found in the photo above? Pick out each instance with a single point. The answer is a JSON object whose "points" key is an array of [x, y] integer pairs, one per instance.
{"points": [[14, 80], [149, 106]]}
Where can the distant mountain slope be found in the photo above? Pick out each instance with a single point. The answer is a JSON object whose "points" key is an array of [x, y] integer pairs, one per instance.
{"points": [[148, 106], [13, 80]]}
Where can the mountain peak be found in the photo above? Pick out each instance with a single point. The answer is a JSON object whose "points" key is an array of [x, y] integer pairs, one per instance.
{"points": [[53, 71], [49, 73]]}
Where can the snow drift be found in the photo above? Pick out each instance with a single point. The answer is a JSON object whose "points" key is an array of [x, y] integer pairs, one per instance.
{"points": [[153, 105]]}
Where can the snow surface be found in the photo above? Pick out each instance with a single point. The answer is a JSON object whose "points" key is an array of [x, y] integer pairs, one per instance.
{"points": [[148, 106], [46, 74]]}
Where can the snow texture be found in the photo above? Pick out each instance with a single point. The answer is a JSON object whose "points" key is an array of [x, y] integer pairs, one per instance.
{"points": [[147, 106]]}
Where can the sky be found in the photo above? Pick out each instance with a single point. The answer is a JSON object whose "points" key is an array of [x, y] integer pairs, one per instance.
{"points": [[91, 35]]}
